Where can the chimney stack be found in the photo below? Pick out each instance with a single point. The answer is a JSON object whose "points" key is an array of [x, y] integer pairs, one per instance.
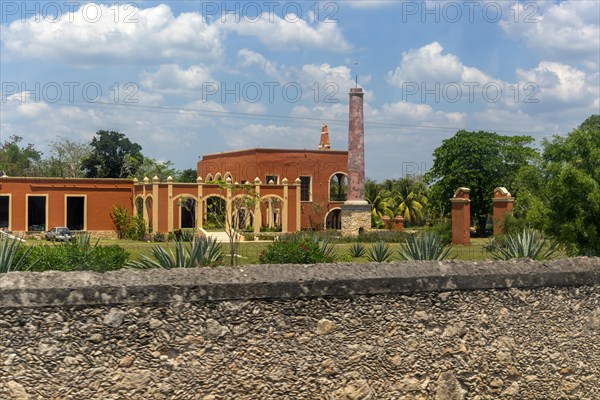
{"points": [[356, 212], [324, 144], [356, 147]]}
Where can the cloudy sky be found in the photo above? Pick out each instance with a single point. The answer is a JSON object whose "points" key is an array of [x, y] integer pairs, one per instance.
{"points": [[187, 78]]}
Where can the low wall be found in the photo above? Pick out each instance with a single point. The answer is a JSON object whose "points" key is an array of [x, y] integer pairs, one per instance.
{"points": [[420, 330]]}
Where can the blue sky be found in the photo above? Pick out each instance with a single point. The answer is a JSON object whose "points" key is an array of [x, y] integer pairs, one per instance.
{"points": [[188, 78]]}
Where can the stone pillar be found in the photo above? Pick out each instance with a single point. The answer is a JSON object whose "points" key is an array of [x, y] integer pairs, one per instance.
{"points": [[285, 208], [257, 220], [298, 206], [398, 225], [503, 203], [356, 212], [155, 182], [144, 208], [229, 207], [199, 205], [171, 205], [387, 222], [461, 216]]}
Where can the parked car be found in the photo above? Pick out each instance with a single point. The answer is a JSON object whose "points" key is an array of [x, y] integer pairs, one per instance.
{"points": [[60, 233]]}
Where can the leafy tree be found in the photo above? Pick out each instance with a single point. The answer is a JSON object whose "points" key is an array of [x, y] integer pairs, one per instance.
{"points": [[188, 175], [66, 158], [113, 156], [151, 167], [561, 195], [19, 161], [481, 161]]}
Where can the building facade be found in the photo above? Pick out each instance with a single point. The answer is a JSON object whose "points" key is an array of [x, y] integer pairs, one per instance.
{"points": [[39, 204], [293, 190], [323, 177]]}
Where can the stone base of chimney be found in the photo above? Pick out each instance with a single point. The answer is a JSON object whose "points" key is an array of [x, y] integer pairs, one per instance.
{"points": [[356, 217]]}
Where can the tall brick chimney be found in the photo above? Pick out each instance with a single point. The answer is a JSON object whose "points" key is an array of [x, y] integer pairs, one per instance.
{"points": [[356, 212], [356, 147], [325, 144]]}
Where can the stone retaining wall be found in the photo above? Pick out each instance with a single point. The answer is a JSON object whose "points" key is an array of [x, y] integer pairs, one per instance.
{"points": [[423, 330]]}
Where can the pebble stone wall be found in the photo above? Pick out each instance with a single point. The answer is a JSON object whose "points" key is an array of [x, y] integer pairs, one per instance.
{"points": [[520, 340]]}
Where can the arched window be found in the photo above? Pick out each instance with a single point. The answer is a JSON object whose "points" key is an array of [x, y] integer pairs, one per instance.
{"points": [[338, 187]]}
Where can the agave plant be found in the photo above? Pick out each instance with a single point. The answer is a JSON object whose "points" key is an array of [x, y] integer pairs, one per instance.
{"points": [[430, 246], [527, 243], [10, 257], [199, 253], [357, 250], [328, 249], [380, 252]]}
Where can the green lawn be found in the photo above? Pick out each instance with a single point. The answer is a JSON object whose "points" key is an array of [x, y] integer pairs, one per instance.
{"points": [[250, 251]]}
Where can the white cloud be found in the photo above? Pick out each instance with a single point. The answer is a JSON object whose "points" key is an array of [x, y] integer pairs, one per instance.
{"points": [[172, 79], [562, 86], [155, 35], [567, 30], [291, 33], [250, 58], [428, 64], [273, 136]]}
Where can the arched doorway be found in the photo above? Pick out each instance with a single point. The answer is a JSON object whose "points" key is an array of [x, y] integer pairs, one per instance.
{"points": [[333, 219], [214, 212]]}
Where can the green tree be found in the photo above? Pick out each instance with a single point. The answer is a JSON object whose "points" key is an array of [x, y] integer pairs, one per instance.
{"points": [[151, 167], [66, 158], [377, 200], [188, 175], [405, 197], [561, 195], [481, 161], [113, 156], [19, 161]]}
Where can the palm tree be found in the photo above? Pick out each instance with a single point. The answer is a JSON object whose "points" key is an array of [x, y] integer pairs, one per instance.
{"points": [[377, 199], [411, 207]]}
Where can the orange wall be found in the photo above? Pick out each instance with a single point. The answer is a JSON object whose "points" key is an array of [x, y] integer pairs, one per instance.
{"points": [[290, 164], [101, 196]]}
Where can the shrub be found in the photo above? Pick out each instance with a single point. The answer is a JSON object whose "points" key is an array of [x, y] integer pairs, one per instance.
{"points": [[429, 246], [78, 255], [187, 235], [128, 226], [12, 256], [345, 258], [202, 252], [159, 237], [444, 230], [527, 243], [297, 250], [357, 250], [379, 252]]}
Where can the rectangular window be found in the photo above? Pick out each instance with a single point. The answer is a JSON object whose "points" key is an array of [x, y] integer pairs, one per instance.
{"points": [[274, 178], [305, 193], [75, 213], [36, 213], [4, 212]]}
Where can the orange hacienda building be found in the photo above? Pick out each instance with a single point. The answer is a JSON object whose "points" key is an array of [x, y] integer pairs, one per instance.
{"points": [[295, 189]]}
